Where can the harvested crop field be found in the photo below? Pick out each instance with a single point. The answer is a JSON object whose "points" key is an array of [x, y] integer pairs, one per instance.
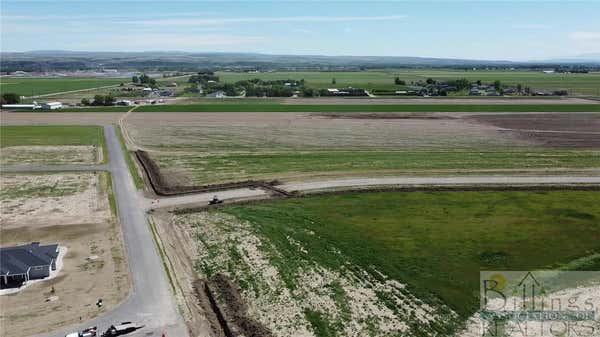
{"points": [[50, 155], [73, 210], [438, 100], [206, 148], [576, 130], [377, 263]]}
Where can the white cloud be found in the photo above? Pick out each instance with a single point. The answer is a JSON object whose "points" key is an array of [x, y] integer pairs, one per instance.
{"points": [[225, 21], [173, 42], [532, 26], [585, 36], [302, 31]]}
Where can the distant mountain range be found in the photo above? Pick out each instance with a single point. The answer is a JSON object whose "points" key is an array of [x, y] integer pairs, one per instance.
{"points": [[59, 60]]}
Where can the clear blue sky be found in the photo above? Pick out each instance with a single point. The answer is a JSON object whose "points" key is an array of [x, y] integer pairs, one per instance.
{"points": [[521, 30]]}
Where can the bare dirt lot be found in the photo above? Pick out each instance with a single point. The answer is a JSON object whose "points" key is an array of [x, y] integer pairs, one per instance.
{"points": [[564, 130], [71, 209], [50, 155], [446, 100]]}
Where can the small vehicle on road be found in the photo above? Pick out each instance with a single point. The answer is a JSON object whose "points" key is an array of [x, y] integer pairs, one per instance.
{"points": [[121, 329], [215, 200], [89, 332]]}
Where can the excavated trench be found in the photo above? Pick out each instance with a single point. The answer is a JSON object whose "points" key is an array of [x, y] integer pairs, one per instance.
{"points": [[161, 187]]}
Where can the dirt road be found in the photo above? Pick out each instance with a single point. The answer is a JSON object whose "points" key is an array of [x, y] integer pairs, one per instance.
{"points": [[242, 194], [468, 181]]}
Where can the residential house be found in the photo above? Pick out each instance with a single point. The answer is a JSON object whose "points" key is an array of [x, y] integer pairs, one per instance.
{"points": [[19, 264]]}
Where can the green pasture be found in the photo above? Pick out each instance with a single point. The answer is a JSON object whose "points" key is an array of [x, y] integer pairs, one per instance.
{"points": [[286, 165], [435, 242], [42, 86]]}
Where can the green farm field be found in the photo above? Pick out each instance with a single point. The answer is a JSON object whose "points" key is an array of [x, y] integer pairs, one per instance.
{"points": [[21, 145], [436, 242], [51, 135], [43, 86], [384, 79]]}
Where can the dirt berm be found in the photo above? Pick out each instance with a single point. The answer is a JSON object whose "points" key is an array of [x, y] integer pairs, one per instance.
{"points": [[161, 187]]}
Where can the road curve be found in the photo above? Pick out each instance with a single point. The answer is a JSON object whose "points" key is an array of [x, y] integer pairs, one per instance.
{"points": [[150, 302]]}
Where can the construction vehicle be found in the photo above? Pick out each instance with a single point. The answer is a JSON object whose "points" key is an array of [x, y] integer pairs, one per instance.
{"points": [[215, 200], [121, 329], [89, 332]]}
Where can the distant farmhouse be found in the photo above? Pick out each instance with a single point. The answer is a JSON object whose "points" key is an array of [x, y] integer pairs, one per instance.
{"points": [[20, 264], [34, 106], [217, 94], [52, 105]]}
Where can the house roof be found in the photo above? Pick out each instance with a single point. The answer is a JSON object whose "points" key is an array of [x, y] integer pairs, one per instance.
{"points": [[17, 260]]}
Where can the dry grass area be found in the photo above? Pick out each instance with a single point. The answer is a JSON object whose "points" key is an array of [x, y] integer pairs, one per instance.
{"points": [[71, 209], [206, 148], [245, 131], [50, 155]]}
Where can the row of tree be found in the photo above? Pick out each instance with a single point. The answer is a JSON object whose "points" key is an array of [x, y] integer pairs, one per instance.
{"points": [[99, 100], [144, 79], [10, 98]]}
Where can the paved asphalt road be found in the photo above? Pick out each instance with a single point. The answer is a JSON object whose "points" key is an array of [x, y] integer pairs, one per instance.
{"points": [[150, 302]]}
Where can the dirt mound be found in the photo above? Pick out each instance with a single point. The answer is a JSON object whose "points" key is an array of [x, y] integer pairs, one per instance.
{"points": [[161, 186], [386, 115]]}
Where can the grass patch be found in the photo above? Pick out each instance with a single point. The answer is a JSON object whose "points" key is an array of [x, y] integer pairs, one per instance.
{"points": [[163, 255], [137, 179], [436, 242], [112, 202], [51, 135], [27, 186], [319, 323], [373, 108]]}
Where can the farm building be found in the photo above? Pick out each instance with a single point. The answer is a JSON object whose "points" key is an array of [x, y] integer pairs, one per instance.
{"points": [[125, 103], [52, 105], [20, 264], [217, 94], [20, 106]]}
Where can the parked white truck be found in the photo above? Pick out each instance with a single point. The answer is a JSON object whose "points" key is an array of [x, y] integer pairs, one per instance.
{"points": [[89, 332]]}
